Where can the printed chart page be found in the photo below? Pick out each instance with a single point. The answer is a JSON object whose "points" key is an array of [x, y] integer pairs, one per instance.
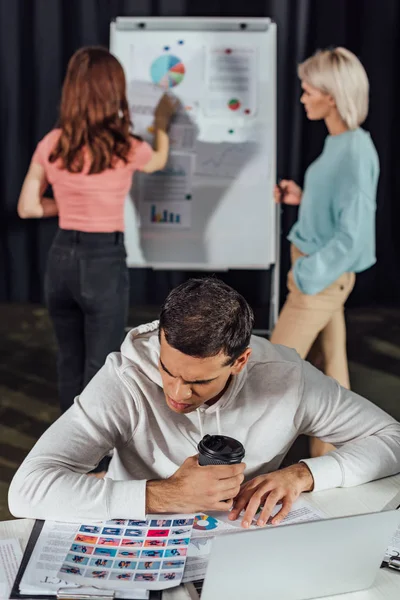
{"points": [[164, 197], [206, 527]]}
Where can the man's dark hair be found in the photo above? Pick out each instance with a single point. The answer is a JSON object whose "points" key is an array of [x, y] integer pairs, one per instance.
{"points": [[203, 317]]}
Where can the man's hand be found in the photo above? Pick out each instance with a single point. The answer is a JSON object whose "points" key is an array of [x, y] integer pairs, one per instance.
{"points": [[195, 489], [283, 486]]}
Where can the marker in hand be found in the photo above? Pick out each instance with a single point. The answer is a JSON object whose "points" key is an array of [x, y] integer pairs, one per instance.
{"points": [[282, 191], [287, 192]]}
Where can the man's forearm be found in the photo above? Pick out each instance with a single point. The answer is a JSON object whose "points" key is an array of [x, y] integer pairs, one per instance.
{"points": [[305, 476], [160, 498]]}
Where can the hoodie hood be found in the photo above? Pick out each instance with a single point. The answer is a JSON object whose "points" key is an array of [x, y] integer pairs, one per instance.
{"points": [[142, 348]]}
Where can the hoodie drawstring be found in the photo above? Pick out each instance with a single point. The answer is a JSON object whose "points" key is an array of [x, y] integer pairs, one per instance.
{"points": [[218, 421], [200, 419], [200, 423]]}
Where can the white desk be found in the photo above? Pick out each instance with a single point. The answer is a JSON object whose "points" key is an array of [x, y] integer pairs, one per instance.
{"points": [[334, 503]]}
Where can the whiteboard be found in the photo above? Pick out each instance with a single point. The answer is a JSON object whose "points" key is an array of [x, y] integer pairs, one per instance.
{"points": [[212, 208]]}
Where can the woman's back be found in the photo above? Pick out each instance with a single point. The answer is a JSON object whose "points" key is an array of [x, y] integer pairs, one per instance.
{"points": [[89, 160], [91, 202]]}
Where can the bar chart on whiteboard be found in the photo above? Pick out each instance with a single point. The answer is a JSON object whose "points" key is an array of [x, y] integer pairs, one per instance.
{"points": [[172, 215], [165, 197]]}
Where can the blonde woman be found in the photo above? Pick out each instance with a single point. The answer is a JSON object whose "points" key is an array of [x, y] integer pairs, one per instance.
{"points": [[334, 237]]}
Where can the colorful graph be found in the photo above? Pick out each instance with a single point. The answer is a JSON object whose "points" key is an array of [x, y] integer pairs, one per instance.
{"points": [[205, 523], [167, 71], [164, 217]]}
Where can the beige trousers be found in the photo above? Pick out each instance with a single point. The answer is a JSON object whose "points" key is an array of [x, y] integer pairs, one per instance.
{"points": [[316, 323]]}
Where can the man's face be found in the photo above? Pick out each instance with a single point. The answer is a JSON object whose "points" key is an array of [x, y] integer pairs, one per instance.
{"points": [[189, 382]]}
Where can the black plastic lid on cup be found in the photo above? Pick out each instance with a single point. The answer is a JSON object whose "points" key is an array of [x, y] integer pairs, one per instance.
{"points": [[222, 447]]}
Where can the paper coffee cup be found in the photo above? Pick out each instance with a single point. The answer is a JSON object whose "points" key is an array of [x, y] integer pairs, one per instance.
{"points": [[220, 450]]}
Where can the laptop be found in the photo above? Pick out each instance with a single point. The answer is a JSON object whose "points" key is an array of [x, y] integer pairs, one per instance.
{"points": [[300, 561]]}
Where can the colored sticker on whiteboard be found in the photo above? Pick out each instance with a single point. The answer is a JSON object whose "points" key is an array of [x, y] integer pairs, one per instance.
{"points": [[234, 104]]}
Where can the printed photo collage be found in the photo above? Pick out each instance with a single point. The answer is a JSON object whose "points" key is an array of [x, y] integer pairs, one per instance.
{"points": [[130, 551]]}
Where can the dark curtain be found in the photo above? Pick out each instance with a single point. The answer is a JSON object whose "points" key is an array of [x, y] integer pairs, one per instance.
{"points": [[37, 37]]}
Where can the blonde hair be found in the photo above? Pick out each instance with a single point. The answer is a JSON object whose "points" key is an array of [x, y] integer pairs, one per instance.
{"points": [[340, 74]]}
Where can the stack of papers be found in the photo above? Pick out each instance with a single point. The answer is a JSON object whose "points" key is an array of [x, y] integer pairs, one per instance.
{"points": [[10, 558], [126, 556], [129, 557], [392, 554]]}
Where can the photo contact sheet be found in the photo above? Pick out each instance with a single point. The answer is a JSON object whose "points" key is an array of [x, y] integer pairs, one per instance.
{"points": [[125, 553]]}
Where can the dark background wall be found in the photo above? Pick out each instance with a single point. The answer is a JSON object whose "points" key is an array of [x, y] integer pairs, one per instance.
{"points": [[37, 37]]}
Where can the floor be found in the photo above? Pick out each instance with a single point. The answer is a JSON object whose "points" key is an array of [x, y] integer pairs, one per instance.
{"points": [[28, 396]]}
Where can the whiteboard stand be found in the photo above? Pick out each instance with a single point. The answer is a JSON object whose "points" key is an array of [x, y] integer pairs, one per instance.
{"points": [[274, 294], [233, 224]]}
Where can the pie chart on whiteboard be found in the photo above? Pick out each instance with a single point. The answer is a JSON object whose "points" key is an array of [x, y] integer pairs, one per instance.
{"points": [[167, 71]]}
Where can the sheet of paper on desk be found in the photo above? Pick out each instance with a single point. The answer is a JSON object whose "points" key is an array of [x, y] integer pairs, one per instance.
{"points": [[40, 576], [393, 550], [206, 527], [10, 558], [127, 554], [219, 523]]}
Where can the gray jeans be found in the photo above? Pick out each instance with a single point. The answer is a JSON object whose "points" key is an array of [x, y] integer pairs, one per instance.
{"points": [[87, 295]]}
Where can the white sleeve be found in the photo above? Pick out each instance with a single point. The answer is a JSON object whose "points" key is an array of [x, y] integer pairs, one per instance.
{"points": [[52, 483], [367, 439]]}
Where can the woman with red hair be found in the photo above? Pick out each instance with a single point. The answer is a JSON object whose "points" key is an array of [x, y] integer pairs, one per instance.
{"points": [[89, 160]]}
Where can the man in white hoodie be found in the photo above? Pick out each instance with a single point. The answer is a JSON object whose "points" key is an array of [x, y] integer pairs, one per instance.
{"points": [[199, 371]]}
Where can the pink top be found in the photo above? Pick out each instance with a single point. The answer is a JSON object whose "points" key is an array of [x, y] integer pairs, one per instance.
{"points": [[91, 202]]}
